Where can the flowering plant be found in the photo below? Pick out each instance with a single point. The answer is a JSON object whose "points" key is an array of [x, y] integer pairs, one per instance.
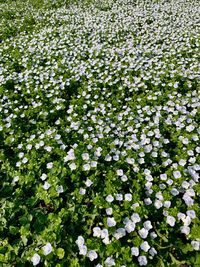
{"points": [[99, 128]]}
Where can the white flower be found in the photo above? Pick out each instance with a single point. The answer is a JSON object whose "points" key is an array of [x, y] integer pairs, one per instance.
{"points": [[88, 182], [130, 160], [197, 149], [185, 229], [119, 197], [18, 164], [163, 176], [109, 211], [47, 249], [174, 192], [169, 182], [86, 167], [111, 222], [21, 154], [181, 216], [182, 162], [83, 250], [190, 192], [109, 198], [106, 241], [93, 164], [57, 122], [162, 186], [72, 166], [176, 174], [147, 201], [35, 259], [85, 156], [195, 138], [15, 179], [49, 165], [70, 155], [92, 255], [167, 204], [120, 172], [185, 141], [190, 128], [24, 160], [135, 217], [63, 147], [43, 176], [89, 146], [135, 251], [187, 220], [82, 191], [80, 241], [176, 85], [59, 189], [29, 146], [41, 143], [185, 185], [152, 252], [191, 214], [159, 196], [153, 235], [196, 245], [147, 225], [116, 157], [120, 232], [110, 261], [46, 185], [158, 204], [124, 178], [130, 226], [188, 200], [145, 246], [104, 233], [97, 153], [171, 220], [128, 197], [97, 231], [108, 158], [143, 233], [142, 260], [154, 154], [48, 148]]}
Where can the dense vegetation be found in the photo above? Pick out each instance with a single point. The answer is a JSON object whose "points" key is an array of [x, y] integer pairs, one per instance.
{"points": [[99, 130]]}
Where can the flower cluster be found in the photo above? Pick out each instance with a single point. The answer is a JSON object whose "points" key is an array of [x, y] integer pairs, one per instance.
{"points": [[99, 128]]}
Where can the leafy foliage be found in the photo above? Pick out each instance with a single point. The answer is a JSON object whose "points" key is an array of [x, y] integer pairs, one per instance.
{"points": [[99, 130]]}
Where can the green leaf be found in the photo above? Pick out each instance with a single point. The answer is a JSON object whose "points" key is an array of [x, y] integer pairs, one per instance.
{"points": [[60, 253], [2, 259], [13, 230], [24, 240], [175, 261], [160, 263], [187, 248], [197, 259], [195, 232]]}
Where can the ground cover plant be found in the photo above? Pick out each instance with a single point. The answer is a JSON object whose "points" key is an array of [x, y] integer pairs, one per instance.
{"points": [[99, 130]]}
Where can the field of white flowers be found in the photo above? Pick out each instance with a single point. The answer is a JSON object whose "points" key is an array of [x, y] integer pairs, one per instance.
{"points": [[99, 133]]}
